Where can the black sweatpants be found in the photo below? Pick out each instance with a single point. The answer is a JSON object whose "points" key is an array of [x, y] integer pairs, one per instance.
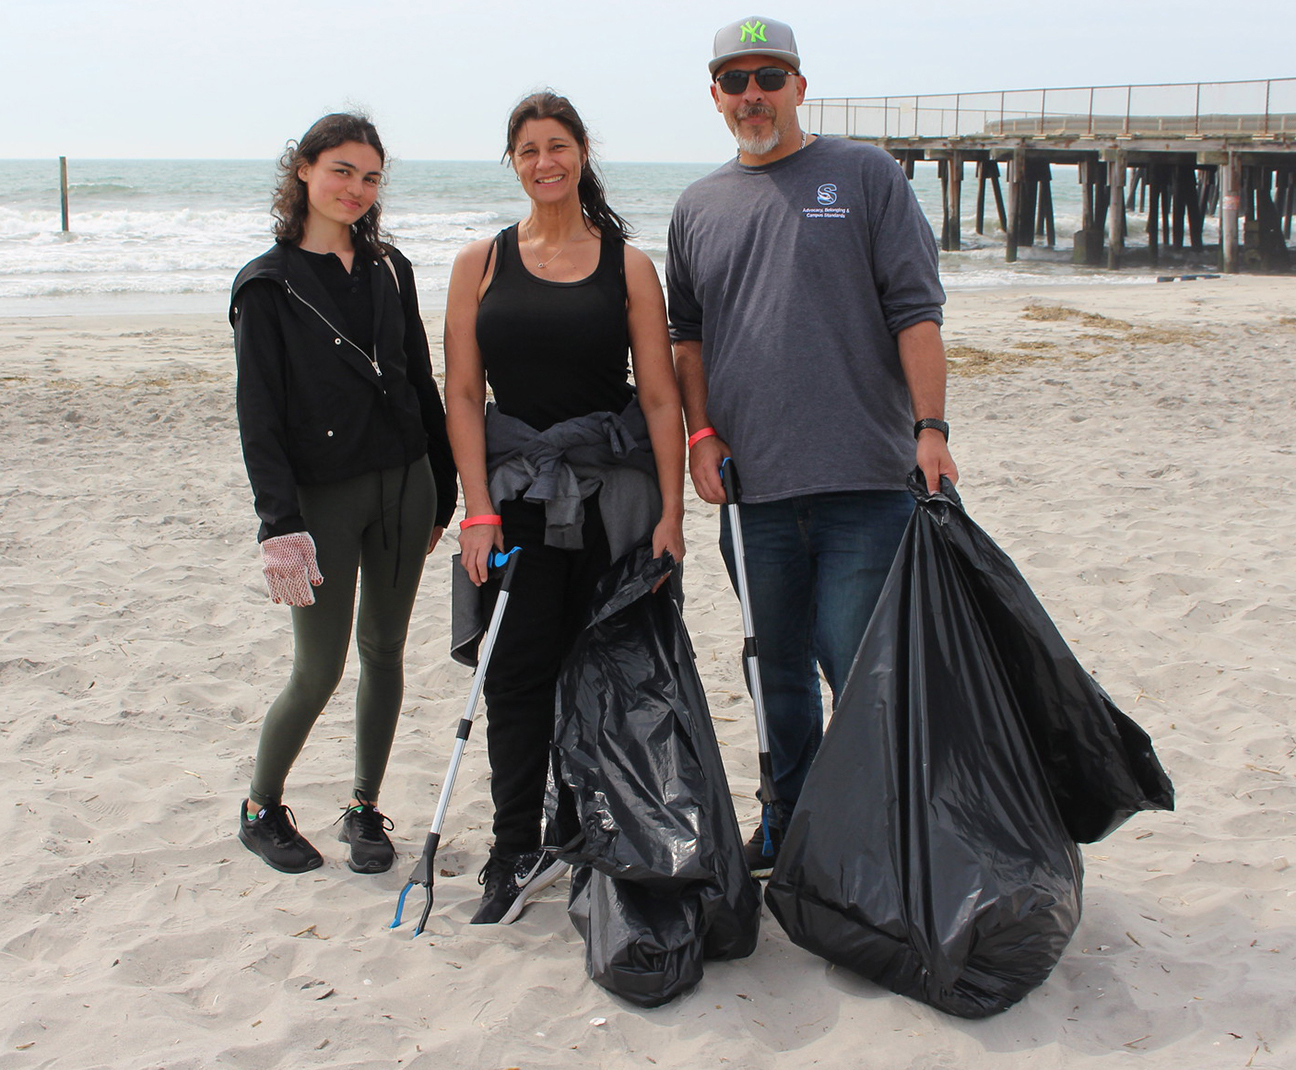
{"points": [[549, 601]]}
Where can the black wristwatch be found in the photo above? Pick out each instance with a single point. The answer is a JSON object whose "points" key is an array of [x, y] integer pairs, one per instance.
{"points": [[939, 425]]}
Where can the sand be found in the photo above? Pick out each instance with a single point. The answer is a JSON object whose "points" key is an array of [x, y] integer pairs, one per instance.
{"points": [[1129, 446]]}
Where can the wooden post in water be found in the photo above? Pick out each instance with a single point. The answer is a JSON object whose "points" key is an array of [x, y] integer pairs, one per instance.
{"points": [[1029, 195], [1169, 195], [1016, 178], [1116, 220], [1285, 202], [1210, 185], [955, 216], [1046, 224], [1154, 212], [1180, 186], [1192, 205], [998, 196], [942, 172], [1083, 241], [1230, 199], [981, 185], [63, 190]]}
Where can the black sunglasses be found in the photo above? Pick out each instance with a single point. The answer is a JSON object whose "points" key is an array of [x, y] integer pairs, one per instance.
{"points": [[768, 79]]}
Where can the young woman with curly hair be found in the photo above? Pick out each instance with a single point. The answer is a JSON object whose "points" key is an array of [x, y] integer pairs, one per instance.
{"points": [[344, 439]]}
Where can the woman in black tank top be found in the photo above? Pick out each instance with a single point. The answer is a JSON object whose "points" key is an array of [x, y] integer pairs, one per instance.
{"points": [[553, 313], [555, 350]]}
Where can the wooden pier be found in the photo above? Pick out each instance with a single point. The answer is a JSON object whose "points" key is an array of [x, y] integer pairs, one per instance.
{"points": [[1172, 154]]}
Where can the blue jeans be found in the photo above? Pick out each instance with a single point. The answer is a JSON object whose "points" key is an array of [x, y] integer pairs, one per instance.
{"points": [[815, 567]]}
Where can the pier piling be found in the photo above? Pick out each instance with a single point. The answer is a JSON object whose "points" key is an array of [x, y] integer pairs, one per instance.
{"points": [[63, 190], [1116, 169], [1230, 198]]}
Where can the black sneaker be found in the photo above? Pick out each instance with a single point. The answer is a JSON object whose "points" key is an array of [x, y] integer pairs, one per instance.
{"points": [[511, 880], [365, 829], [761, 852], [273, 835]]}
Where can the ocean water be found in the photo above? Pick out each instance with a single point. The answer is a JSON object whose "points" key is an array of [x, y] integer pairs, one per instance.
{"points": [[169, 235]]}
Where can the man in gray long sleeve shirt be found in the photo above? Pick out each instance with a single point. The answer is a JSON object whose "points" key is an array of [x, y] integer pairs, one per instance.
{"points": [[805, 310]]}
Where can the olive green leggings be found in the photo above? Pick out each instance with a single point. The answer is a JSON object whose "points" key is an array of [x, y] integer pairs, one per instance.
{"points": [[355, 525]]}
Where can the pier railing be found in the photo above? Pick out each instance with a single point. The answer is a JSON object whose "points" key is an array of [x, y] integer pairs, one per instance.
{"points": [[1186, 109]]}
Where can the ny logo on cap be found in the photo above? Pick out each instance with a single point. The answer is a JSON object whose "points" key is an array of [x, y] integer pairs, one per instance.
{"points": [[754, 31]]}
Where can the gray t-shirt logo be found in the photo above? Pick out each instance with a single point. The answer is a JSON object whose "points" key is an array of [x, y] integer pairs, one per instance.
{"points": [[826, 196]]}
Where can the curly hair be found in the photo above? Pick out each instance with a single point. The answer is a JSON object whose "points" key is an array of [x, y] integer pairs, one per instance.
{"points": [[546, 104], [290, 203]]}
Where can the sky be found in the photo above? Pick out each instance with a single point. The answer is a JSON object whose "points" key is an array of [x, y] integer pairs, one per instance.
{"points": [[235, 79]]}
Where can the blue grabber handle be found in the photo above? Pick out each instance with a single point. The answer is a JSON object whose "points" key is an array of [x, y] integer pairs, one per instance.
{"points": [[423, 872], [751, 654], [506, 560]]}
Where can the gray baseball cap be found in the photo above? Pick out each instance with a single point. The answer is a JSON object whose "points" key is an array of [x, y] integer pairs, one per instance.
{"points": [[755, 36]]}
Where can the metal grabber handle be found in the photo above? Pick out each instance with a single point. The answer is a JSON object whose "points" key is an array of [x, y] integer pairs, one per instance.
{"points": [[424, 872], [751, 657]]}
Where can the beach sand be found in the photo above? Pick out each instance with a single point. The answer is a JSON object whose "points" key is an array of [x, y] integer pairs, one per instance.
{"points": [[1128, 446]]}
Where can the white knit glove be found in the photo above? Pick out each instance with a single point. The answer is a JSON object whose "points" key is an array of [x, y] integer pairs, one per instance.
{"points": [[290, 568]]}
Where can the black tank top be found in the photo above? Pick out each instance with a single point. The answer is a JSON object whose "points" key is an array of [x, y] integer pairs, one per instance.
{"points": [[555, 350]]}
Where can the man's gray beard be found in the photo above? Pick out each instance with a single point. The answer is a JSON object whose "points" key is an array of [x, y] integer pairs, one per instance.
{"points": [[758, 146]]}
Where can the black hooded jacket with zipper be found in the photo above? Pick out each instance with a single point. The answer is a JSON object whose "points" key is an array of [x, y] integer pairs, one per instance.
{"points": [[314, 407]]}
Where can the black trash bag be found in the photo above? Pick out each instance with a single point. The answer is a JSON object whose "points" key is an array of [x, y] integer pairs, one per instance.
{"points": [[1099, 764], [634, 745], [640, 944], [931, 849]]}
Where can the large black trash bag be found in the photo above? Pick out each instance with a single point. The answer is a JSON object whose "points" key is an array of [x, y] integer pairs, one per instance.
{"points": [[931, 849], [1099, 764], [660, 881]]}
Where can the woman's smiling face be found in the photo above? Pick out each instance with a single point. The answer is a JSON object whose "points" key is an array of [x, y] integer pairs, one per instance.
{"points": [[548, 160], [343, 183]]}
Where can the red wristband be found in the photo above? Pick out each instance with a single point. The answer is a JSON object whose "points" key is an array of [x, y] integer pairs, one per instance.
{"points": [[484, 518], [698, 436]]}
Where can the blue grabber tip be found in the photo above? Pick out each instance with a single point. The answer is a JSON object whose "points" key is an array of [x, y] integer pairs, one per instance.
{"points": [[400, 907]]}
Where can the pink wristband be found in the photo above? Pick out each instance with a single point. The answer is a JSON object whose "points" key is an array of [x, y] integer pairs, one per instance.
{"points": [[698, 436], [484, 518]]}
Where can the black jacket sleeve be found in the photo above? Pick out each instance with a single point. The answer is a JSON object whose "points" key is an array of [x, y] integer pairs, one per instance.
{"points": [[261, 401], [418, 362]]}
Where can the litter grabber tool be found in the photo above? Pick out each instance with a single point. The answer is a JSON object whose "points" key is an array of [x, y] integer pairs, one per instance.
{"points": [[751, 659], [423, 871]]}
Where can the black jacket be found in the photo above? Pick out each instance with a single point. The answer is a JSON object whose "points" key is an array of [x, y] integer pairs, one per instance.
{"points": [[313, 407]]}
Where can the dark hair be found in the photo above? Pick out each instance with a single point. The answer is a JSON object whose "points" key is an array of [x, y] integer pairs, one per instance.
{"points": [[547, 104], [290, 205]]}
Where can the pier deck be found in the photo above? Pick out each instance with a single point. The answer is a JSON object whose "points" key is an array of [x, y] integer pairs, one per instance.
{"points": [[1178, 153]]}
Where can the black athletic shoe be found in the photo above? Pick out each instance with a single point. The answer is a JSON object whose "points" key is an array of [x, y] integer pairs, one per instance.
{"points": [[511, 880], [365, 829], [761, 854], [273, 835]]}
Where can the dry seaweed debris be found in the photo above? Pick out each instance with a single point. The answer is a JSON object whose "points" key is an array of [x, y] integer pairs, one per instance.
{"points": [[1118, 334], [973, 360], [1052, 313], [1166, 336]]}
